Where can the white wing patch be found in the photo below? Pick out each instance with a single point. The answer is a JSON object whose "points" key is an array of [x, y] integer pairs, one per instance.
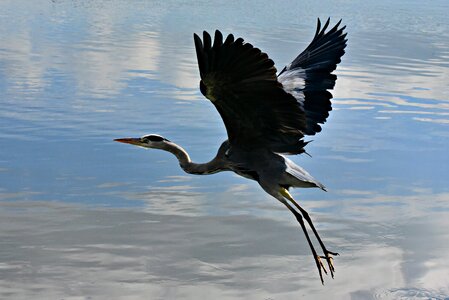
{"points": [[293, 81]]}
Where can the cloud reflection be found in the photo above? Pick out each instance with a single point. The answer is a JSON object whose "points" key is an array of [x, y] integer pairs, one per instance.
{"points": [[69, 249]]}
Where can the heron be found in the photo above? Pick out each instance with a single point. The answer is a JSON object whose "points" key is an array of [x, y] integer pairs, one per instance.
{"points": [[266, 115]]}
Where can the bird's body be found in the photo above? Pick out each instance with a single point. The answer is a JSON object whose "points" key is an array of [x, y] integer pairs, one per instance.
{"points": [[265, 166], [266, 115]]}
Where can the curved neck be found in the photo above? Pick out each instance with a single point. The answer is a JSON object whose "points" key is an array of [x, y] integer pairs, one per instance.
{"points": [[188, 166]]}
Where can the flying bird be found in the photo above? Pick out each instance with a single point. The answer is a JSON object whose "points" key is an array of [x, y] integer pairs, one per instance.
{"points": [[266, 115]]}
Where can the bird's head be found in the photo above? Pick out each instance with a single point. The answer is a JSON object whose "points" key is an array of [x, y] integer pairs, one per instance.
{"points": [[147, 141]]}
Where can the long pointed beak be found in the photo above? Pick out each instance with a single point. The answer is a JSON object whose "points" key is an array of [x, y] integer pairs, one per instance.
{"points": [[132, 141]]}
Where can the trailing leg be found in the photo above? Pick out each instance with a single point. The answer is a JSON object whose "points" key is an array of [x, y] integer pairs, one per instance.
{"points": [[327, 253], [319, 263]]}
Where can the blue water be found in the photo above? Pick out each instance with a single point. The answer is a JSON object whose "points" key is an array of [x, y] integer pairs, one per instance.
{"points": [[82, 217]]}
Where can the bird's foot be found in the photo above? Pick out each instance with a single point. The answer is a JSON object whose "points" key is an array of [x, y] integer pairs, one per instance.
{"points": [[329, 259], [321, 268]]}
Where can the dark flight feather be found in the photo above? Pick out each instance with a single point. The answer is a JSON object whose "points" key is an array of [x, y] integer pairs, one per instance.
{"points": [[314, 66], [259, 109]]}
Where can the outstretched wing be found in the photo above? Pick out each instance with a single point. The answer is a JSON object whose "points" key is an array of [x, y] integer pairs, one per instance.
{"points": [[241, 82], [308, 78], [258, 111]]}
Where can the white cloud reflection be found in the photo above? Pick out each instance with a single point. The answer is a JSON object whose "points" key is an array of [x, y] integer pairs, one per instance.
{"points": [[172, 200], [396, 93], [438, 121], [390, 246]]}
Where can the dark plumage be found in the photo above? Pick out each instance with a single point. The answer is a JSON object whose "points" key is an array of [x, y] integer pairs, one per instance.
{"points": [[259, 108]]}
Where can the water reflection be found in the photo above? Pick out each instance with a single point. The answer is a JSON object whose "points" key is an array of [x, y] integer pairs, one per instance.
{"points": [[83, 217], [390, 249]]}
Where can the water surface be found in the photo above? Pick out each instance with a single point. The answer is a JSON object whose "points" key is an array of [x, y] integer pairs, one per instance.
{"points": [[82, 217]]}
